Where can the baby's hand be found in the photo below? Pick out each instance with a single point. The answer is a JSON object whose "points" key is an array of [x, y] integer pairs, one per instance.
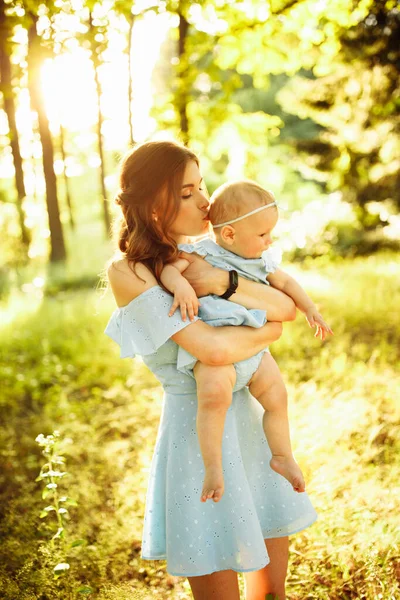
{"points": [[315, 320], [185, 297]]}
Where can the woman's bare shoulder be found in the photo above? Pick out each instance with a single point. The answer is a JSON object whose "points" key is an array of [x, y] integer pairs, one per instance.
{"points": [[127, 284]]}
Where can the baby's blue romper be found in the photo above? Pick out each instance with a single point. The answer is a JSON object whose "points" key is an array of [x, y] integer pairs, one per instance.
{"points": [[198, 538], [218, 312]]}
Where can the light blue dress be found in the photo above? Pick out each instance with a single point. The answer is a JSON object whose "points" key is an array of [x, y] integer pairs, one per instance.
{"points": [[218, 312], [198, 538]]}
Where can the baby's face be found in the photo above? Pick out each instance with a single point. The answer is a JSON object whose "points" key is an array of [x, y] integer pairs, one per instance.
{"points": [[253, 234]]}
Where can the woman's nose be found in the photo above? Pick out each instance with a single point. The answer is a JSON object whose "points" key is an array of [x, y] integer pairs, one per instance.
{"points": [[204, 204]]}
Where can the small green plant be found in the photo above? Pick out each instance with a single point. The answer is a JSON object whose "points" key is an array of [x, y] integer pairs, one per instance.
{"points": [[51, 473]]}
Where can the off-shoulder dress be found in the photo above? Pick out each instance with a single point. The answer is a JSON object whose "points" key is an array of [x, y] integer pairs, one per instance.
{"points": [[198, 538]]}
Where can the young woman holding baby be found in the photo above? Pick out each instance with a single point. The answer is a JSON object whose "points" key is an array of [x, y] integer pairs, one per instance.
{"points": [[252, 507]]}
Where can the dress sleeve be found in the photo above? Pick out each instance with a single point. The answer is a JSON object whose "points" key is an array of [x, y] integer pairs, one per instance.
{"points": [[272, 259], [143, 325]]}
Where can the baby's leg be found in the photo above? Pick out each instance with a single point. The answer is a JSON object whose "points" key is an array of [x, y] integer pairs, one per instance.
{"points": [[214, 393], [267, 386]]}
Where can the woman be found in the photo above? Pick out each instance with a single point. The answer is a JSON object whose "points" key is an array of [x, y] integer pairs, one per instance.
{"points": [[163, 202]]}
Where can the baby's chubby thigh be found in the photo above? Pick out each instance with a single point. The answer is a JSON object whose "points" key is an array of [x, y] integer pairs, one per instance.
{"points": [[214, 384], [247, 369], [268, 386]]}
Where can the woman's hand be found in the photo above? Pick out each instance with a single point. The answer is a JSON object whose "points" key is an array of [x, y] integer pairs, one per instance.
{"points": [[204, 278]]}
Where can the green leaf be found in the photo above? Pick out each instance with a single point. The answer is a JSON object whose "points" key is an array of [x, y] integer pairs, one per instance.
{"points": [[59, 534], [45, 493], [61, 567], [68, 501], [53, 473], [85, 589], [62, 511], [78, 543], [51, 486], [46, 511]]}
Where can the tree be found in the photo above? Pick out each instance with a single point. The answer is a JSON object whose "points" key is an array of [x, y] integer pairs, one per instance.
{"points": [[35, 58], [97, 38], [9, 107]]}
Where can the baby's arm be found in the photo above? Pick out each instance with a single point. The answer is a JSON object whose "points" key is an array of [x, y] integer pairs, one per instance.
{"points": [[184, 295], [284, 282]]}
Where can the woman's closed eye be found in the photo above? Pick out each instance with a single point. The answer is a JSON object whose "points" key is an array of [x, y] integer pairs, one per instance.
{"points": [[201, 189]]}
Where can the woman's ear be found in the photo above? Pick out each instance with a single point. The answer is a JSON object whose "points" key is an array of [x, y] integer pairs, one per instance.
{"points": [[228, 234]]}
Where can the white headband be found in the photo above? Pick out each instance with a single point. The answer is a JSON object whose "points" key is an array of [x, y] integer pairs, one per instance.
{"points": [[252, 212]]}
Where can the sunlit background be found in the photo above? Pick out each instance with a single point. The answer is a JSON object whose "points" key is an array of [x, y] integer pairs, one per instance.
{"points": [[244, 80]]}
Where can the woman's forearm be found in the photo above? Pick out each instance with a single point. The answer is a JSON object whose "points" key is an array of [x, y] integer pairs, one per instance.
{"points": [[278, 305], [228, 344], [206, 279], [250, 294], [236, 343]]}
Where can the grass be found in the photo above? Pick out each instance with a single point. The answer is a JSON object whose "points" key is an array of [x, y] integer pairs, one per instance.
{"points": [[58, 371]]}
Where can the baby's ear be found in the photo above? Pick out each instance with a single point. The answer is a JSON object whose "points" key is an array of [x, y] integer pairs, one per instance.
{"points": [[228, 234]]}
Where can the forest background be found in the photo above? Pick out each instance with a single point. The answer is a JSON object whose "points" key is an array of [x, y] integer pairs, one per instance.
{"points": [[300, 95]]}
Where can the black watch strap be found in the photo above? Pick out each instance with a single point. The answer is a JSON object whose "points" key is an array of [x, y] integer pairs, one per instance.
{"points": [[233, 284]]}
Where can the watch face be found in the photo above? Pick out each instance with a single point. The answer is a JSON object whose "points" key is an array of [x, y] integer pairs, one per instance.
{"points": [[233, 279]]}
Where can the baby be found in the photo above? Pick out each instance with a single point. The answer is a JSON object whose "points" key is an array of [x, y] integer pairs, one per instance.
{"points": [[243, 216]]}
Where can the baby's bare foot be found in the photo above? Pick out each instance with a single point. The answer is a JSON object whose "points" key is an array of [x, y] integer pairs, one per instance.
{"points": [[213, 486], [290, 470]]}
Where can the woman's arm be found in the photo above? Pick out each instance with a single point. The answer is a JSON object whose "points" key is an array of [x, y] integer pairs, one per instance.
{"points": [[210, 345], [228, 344], [206, 279]]}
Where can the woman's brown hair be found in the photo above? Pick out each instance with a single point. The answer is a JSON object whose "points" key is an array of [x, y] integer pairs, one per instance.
{"points": [[150, 180]]}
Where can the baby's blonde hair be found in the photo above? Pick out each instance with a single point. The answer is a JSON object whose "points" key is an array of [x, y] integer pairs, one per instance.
{"points": [[234, 199]]}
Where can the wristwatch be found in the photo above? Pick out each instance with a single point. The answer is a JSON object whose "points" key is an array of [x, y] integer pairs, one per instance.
{"points": [[233, 284]]}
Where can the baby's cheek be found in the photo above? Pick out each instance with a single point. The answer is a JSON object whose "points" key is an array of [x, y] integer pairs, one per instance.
{"points": [[260, 246]]}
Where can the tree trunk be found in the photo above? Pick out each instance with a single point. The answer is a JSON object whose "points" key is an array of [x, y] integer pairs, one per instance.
{"points": [[66, 180], [131, 23], [57, 252], [95, 59], [182, 94], [9, 108]]}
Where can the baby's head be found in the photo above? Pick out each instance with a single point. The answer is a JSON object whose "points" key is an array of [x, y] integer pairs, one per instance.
{"points": [[251, 235]]}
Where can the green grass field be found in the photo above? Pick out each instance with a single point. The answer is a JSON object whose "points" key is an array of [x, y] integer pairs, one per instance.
{"points": [[59, 372]]}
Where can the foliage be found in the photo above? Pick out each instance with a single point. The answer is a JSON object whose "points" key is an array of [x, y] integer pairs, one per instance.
{"points": [[356, 100], [59, 371], [334, 68], [313, 110]]}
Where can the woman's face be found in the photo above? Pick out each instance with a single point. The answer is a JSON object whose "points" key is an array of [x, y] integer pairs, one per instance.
{"points": [[192, 218]]}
